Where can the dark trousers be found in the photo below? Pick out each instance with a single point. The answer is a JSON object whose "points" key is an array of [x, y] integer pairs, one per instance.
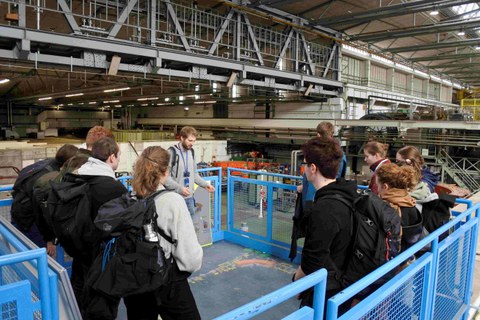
{"points": [[172, 302], [80, 267]]}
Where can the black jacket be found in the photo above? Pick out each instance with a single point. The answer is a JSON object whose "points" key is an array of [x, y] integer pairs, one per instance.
{"points": [[328, 229]]}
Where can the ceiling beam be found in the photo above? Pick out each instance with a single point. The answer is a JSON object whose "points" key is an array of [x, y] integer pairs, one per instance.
{"points": [[446, 57], [416, 31], [436, 45], [390, 11], [453, 65]]}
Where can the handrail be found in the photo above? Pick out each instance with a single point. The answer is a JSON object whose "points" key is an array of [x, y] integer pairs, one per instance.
{"points": [[41, 256], [266, 173], [318, 279]]}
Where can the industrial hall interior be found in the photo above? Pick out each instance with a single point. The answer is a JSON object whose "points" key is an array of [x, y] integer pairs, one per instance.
{"points": [[257, 103]]}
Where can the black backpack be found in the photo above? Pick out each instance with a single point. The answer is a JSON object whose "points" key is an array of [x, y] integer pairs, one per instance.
{"points": [[23, 213], [174, 160], [376, 237], [131, 264], [436, 213], [68, 215]]}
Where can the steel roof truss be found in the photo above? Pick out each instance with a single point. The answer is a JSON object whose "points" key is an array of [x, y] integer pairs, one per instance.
{"points": [[121, 20]]}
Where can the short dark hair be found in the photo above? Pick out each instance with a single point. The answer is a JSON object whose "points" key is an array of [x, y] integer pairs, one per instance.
{"points": [[64, 153], [104, 148], [96, 133], [186, 131], [325, 153]]}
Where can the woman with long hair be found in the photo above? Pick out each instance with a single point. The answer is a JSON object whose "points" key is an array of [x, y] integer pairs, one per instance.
{"points": [[375, 156], [175, 300], [410, 155]]}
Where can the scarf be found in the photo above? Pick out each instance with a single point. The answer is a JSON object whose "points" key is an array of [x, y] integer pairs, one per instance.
{"points": [[398, 198]]}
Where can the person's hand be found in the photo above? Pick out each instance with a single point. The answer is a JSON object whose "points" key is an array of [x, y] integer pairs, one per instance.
{"points": [[51, 249], [185, 192], [300, 188], [210, 188]]}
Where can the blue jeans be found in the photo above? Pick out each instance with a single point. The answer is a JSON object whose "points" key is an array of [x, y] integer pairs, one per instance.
{"points": [[190, 205]]}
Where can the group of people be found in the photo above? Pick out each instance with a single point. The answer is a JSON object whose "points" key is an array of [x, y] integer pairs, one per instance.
{"points": [[154, 170], [329, 229]]}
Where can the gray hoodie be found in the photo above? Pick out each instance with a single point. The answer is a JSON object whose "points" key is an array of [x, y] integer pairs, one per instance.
{"points": [[174, 219], [95, 167], [176, 180]]}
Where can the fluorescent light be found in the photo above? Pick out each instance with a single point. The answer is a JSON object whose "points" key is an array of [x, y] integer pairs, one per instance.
{"points": [[147, 99], [4, 81], [186, 108], [60, 105], [70, 104], [434, 12], [435, 78], [181, 98], [144, 104], [477, 48], [44, 98], [74, 95], [204, 102], [111, 101], [92, 102], [117, 89], [461, 33], [167, 99]]}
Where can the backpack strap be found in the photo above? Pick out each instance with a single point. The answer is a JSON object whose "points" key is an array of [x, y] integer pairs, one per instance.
{"points": [[151, 202], [173, 160], [338, 274]]}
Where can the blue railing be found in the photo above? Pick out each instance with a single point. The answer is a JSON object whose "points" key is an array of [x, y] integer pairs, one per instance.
{"points": [[20, 265], [317, 279]]}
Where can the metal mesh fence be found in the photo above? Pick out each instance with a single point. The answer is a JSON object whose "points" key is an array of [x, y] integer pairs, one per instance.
{"points": [[9, 310], [452, 278], [403, 303], [5, 212], [282, 211], [249, 208]]}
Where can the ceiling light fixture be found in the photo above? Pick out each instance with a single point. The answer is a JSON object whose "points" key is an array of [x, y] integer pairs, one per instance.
{"points": [[461, 32], [434, 12], [111, 101], [116, 89], [2, 81], [92, 102], [45, 99], [146, 99], [477, 48], [74, 95], [186, 108]]}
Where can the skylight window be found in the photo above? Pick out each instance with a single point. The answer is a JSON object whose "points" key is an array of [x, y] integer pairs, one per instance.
{"points": [[468, 11]]}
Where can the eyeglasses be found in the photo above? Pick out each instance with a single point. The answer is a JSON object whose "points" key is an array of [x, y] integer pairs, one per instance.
{"points": [[305, 164]]}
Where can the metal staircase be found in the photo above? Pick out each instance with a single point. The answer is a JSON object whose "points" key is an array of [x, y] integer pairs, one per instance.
{"points": [[463, 172]]}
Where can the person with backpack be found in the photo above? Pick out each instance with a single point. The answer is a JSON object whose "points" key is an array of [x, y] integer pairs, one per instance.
{"points": [[26, 214], [183, 168], [97, 177], [325, 129], [328, 223], [174, 300], [393, 184], [375, 156]]}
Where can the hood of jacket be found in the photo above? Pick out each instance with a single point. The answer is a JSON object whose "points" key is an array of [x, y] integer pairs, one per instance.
{"points": [[95, 167], [430, 178], [345, 188]]}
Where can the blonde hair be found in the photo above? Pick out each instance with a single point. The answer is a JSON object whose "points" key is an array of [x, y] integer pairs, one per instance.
{"points": [[375, 147], [149, 169], [397, 177]]}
